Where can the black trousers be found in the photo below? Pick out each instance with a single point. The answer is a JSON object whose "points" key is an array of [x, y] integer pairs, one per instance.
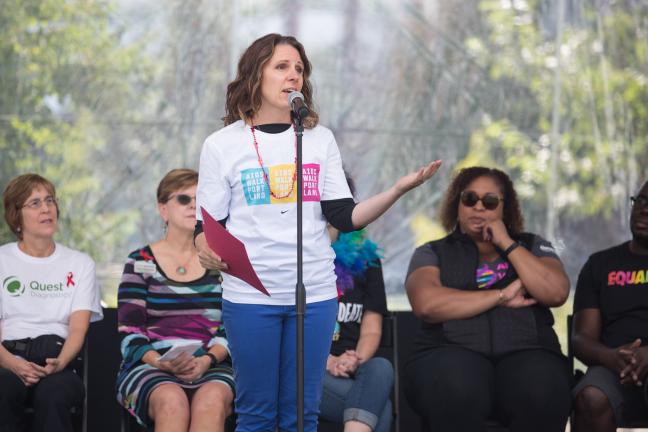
{"points": [[52, 398], [454, 389]]}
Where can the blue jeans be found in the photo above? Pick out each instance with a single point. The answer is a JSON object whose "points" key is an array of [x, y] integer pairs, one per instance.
{"points": [[262, 341], [363, 398]]}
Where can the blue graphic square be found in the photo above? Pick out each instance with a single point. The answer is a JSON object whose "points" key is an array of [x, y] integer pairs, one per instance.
{"points": [[255, 187]]}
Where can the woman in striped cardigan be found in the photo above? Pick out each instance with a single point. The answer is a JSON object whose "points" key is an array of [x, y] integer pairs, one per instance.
{"points": [[166, 297]]}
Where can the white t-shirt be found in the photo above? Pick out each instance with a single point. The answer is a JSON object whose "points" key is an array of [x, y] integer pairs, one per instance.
{"points": [[39, 294], [231, 184]]}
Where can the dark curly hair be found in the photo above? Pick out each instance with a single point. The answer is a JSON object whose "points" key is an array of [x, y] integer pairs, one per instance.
{"points": [[512, 215], [244, 93]]}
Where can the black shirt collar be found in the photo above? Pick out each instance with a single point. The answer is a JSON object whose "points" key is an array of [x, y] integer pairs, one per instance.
{"points": [[273, 128]]}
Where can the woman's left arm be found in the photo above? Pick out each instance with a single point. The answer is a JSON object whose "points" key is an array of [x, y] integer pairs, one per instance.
{"points": [[78, 327], [544, 278], [370, 334], [218, 347]]}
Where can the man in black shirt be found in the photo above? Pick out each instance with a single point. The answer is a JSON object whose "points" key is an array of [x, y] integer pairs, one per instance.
{"points": [[611, 330]]}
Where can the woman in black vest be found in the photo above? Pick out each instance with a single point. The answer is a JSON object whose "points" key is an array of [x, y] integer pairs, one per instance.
{"points": [[487, 349]]}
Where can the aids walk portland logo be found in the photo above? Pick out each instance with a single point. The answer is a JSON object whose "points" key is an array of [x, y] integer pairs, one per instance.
{"points": [[13, 286]]}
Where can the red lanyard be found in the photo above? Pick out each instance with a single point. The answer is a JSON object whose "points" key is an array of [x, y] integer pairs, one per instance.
{"points": [[265, 175]]}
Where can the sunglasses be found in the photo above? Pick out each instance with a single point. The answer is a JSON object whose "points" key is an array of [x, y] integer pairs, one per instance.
{"points": [[182, 199], [489, 201], [639, 201]]}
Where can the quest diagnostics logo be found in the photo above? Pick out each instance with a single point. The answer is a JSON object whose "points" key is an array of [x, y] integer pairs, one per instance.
{"points": [[13, 286], [43, 290]]}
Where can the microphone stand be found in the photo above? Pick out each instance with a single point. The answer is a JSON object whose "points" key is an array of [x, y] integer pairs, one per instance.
{"points": [[300, 289]]}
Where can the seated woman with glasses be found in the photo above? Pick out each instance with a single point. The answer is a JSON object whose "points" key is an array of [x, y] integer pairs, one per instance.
{"points": [[486, 348], [166, 298], [49, 296]]}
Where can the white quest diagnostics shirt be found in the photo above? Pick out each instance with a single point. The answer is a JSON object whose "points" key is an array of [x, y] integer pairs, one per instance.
{"points": [[231, 184], [39, 294]]}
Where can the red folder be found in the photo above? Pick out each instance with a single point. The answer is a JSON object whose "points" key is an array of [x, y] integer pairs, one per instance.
{"points": [[231, 250]]}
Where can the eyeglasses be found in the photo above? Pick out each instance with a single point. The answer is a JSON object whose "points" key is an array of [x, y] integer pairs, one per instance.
{"points": [[489, 201], [639, 201], [182, 199], [37, 203]]}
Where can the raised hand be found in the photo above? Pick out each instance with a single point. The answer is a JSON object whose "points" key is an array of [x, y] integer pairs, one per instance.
{"points": [[496, 233], [417, 178]]}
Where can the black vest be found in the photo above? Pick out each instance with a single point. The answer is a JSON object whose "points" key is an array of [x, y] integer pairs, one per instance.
{"points": [[498, 331]]}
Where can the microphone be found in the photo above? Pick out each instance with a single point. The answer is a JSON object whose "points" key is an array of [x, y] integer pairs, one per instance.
{"points": [[297, 105]]}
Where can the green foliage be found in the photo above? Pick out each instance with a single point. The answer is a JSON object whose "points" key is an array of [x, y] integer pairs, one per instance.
{"points": [[603, 80], [63, 70]]}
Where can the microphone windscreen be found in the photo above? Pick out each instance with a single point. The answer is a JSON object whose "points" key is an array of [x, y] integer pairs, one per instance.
{"points": [[295, 95]]}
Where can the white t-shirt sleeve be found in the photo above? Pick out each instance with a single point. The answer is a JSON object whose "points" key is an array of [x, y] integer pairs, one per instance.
{"points": [[335, 184], [214, 191], [88, 295]]}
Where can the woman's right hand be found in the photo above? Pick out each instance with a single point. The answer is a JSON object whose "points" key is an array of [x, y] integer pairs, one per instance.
{"points": [[513, 295], [343, 366], [181, 365], [208, 259], [28, 372], [335, 367]]}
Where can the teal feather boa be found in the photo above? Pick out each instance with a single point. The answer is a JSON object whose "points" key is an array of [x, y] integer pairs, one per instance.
{"points": [[354, 253]]}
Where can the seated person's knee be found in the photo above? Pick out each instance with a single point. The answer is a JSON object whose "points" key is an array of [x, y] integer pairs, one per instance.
{"points": [[215, 399], [169, 401], [592, 401]]}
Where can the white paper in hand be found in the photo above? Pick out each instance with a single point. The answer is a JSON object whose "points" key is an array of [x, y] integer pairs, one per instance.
{"points": [[189, 346]]}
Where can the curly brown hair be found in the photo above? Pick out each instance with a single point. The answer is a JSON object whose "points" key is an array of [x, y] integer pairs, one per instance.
{"points": [[244, 93], [512, 215]]}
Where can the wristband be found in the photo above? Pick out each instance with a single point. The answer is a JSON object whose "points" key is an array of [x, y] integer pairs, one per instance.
{"points": [[214, 360], [510, 249]]}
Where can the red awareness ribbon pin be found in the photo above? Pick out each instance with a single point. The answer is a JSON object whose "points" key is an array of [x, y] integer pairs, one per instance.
{"points": [[145, 255], [70, 280]]}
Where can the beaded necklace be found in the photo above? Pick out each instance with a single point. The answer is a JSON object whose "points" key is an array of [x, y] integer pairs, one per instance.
{"points": [[265, 175]]}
